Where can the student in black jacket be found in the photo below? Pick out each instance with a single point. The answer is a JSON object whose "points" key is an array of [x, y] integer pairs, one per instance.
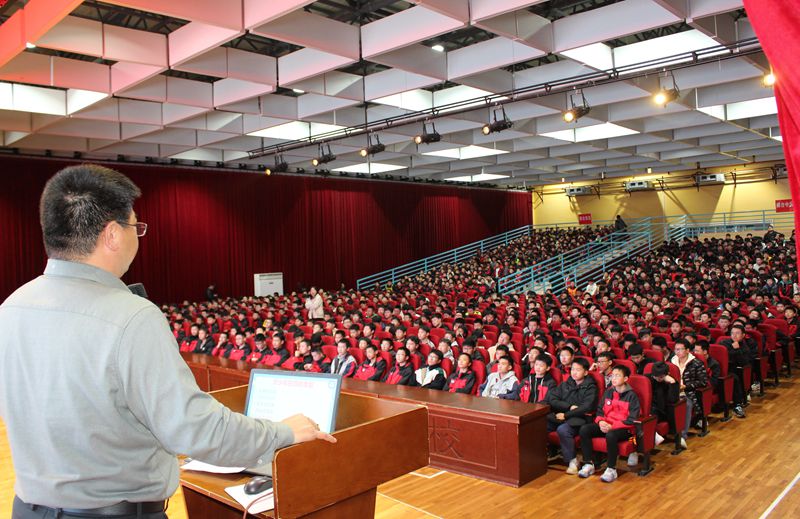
{"points": [[738, 358], [666, 391], [715, 370], [402, 373], [204, 344], [638, 357], [570, 403]]}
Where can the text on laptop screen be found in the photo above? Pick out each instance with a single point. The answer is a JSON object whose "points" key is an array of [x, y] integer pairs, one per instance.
{"points": [[275, 395]]}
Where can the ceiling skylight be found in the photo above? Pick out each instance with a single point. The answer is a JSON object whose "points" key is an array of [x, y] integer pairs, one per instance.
{"points": [[369, 167], [466, 152], [477, 178], [295, 130], [590, 133]]}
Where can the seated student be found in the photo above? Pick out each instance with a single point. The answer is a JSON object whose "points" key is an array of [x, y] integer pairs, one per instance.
{"points": [[301, 357], [277, 354], [603, 364], [659, 344], [318, 364], [499, 353], [570, 402], [534, 388], [344, 364], [373, 366], [637, 356], [189, 341], [616, 412], [260, 349], [402, 373], [529, 359], [503, 339], [446, 349], [388, 347], [177, 331], [565, 356], [432, 375], [602, 346], [666, 391], [714, 369], [693, 377], [627, 341], [500, 384], [412, 345], [238, 350], [204, 344], [463, 378], [222, 345], [470, 349], [738, 358]]}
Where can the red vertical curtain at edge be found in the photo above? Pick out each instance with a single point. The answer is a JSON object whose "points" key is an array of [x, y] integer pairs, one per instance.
{"points": [[776, 23], [223, 227]]}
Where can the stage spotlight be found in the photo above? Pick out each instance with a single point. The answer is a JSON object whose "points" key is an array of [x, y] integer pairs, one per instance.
{"points": [[667, 95], [769, 79], [280, 166], [575, 112], [427, 137], [324, 156], [372, 149], [497, 125]]}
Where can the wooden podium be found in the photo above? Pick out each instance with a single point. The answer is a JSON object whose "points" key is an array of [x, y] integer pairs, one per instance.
{"points": [[378, 440]]}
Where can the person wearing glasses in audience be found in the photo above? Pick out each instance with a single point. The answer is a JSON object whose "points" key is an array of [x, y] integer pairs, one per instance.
{"points": [[130, 402]]}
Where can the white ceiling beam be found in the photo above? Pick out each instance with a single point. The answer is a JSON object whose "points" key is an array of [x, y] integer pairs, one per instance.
{"points": [[488, 55], [30, 23], [404, 28], [306, 63], [258, 12], [228, 15], [314, 31], [417, 59]]}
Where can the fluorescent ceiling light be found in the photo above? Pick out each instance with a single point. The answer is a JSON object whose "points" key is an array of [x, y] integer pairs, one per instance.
{"points": [[601, 131], [561, 135], [369, 167], [663, 47], [29, 45], [438, 48], [298, 91], [466, 152], [777, 137], [295, 130], [717, 111], [596, 55], [754, 108], [460, 93], [477, 178]]}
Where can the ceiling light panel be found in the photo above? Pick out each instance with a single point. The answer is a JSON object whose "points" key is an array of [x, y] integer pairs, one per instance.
{"points": [[466, 152], [295, 130], [370, 167]]}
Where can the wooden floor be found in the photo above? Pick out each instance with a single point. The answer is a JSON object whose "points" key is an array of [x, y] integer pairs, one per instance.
{"points": [[737, 471]]}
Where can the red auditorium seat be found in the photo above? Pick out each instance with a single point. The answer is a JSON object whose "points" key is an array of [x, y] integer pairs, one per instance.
{"points": [[480, 375]]}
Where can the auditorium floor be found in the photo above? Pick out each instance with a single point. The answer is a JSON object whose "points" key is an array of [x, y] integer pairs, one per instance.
{"points": [[737, 471]]}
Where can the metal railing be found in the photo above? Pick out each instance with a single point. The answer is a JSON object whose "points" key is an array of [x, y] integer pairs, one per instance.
{"points": [[459, 254], [642, 236]]}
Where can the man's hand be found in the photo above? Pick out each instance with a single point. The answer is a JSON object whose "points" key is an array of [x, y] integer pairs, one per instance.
{"points": [[560, 416], [735, 345], [305, 430], [604, 426], [669, 380], [573, 407]]}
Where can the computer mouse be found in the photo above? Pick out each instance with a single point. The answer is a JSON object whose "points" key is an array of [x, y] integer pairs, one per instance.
{"points": [[257, 484]]}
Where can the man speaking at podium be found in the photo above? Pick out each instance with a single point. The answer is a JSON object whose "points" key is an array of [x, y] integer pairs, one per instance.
{"points": [[96, 399]]}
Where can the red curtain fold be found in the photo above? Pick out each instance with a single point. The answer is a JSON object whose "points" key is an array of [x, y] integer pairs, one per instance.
{"points": [[776, 23], [222, 227]]}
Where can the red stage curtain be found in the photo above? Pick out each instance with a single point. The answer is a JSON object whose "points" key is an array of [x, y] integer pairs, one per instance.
{"points": [[777, 23], [214, 226]]}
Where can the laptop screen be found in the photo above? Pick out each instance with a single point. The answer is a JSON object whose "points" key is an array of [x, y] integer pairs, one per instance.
{"points": [[276, 395]]}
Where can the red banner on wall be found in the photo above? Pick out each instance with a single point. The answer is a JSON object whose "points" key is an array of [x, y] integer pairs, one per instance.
{"points": [[585, 219], [784, 206]]}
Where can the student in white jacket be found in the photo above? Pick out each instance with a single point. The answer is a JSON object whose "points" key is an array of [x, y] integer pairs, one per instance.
{"points": [[500, 383]]}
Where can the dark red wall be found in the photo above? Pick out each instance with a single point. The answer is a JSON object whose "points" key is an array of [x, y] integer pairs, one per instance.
{"points": [[224, 226]]}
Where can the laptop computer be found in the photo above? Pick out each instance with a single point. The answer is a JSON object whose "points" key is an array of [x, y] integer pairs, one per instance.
{"points": [[276, 394]]}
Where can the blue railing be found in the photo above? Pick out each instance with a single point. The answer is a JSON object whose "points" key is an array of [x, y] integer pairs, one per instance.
{"points": [[643, 235]]}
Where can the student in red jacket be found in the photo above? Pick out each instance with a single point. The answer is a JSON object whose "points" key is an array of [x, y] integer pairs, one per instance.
{"points": [[616, 412], [402, 373], [535, 386], [463, 379], [276, 355], [373, 367]]}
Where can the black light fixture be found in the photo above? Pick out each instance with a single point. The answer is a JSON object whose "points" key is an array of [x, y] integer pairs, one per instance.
{"points": [[667, 95], [372, 149], [324, 156], [280, 166], [427, 137], [497, 125], [575, 112]]}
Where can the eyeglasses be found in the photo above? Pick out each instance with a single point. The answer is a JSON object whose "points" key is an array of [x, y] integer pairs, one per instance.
{"points": [[141, 227]]}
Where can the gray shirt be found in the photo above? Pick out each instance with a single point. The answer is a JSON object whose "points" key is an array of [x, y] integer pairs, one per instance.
{"points": [[97, 401]]}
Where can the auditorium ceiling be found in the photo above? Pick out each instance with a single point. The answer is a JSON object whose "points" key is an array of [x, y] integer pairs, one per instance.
{"points": [[251, 83]]}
